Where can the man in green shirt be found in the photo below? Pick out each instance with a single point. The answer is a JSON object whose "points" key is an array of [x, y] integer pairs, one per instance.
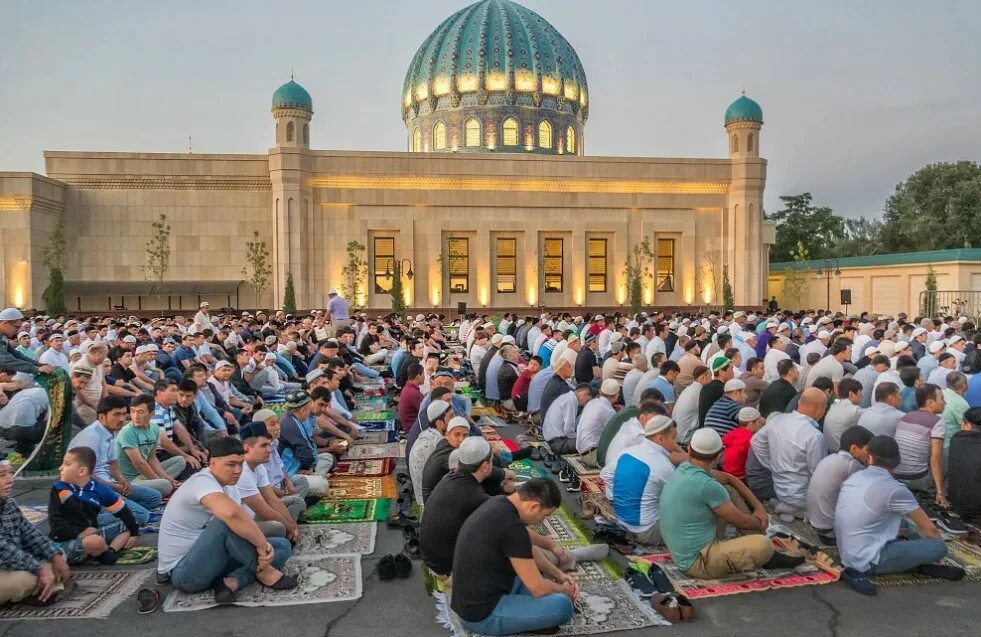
{"points": [[622, 416], [136, 446], [696, 505], [955, 406]]}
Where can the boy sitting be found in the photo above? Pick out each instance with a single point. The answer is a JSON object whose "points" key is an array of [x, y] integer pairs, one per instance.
{"points": [[737, 441], [76, 517]]}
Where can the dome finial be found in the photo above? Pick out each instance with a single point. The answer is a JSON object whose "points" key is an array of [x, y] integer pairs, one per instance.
{"points": [[291, 77]]}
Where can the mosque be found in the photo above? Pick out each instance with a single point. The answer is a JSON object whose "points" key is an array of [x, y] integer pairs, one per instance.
{"points": [[494, 202]]}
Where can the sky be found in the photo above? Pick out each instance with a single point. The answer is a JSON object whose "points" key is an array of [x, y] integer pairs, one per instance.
{"points": [[856, 96]]}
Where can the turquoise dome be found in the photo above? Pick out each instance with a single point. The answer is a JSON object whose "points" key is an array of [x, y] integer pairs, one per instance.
{"points": [[744, 110], [495, 47], [292, 95]]}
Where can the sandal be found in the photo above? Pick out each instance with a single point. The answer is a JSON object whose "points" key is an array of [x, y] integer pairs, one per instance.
{"points": [[147, 600]]}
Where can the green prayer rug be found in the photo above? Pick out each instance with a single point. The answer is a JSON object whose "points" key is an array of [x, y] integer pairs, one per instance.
{"points": [[327, 512], [136, 555], [524, 470], [374, 415]]}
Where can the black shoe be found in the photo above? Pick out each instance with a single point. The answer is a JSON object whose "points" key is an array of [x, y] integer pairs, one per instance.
{"points": [[564, 475], [546, 459], [284, 583], [523, 453], [941, 571], [403, 566], [640, 583], [413, 548], [859, 581], [661, 581], [575, 484], [386, 568], [947, 521], [310, 500], [223, 594], [782, 561], [108, 558]]}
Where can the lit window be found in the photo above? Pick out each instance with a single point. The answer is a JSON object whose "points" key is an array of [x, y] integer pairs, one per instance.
{"points": [[290, 132], [507, 266], [544, 134], [597, 265], [472, 138], [439, 136], [459, 257], [417, 141], [552, 264], [510, 132], [306, 134], [665, 265], [570, 140], [384, 261]]}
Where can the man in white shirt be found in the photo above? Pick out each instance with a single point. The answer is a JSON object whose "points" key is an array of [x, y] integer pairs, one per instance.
{"points": [[255, 490], [205, 533], [685, 410], [632, 378], [843, 413], [656, 345], [773, 356], [831, 365], [830, 474], [202, 320], [791, 446], [595, 415], [54, 355], [630, 434], [881, 418], [559, 424]]}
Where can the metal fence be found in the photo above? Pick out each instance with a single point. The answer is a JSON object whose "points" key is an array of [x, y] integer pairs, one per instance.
{"points": [[954, 303]]}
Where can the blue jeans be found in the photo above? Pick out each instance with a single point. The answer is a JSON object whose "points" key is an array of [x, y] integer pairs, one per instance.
{"points": [[522, 612], [141, 501], [900, 556], [218, 553], [365, 371]]}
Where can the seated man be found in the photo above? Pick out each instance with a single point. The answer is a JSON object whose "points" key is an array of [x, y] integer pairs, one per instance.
{"points": [[868, 519], [23, 413], [299, 452], [410, 398], [843, 413], [830, 474], [964, 467], [738, 441], [437, 466], [595, 415], [723, 415], [76, 517], [30, 564], [504, 592], [291, 490], [438, 414], [630, 434], [207, 540], [256, 492], [791, 446], [693, 505], [559, 425], [640, 474], [920, 436], [613, 426], [136, 448]]}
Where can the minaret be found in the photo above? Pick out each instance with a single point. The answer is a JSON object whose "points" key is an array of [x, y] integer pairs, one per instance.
{"points": [[743, 224]]}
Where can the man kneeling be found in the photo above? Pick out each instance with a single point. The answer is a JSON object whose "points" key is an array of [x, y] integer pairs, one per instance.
{"points": [[207, 540], [503, 592]]}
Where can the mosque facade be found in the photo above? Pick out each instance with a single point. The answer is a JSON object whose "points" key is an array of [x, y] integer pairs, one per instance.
{"points": [[494, 200]]}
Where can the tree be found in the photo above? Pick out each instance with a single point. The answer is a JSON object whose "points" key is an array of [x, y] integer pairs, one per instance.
{"points": [[928, 303], [800, 221], [258, 267], [937, 208], [398, 294], [637, 270], [157, 255], [355, 274], [709, 278], [795, 278], [289, 295], [862, 238], [53, 257], [728, 299]]}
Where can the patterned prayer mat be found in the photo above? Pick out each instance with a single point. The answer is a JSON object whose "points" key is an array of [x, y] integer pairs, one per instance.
{"points": [[96, 594], [504, 444], [36, 514], [372, 451], [137, 555], [369, 403], [377, 467], [525, 470], [329, 578], [807, 574], [361, 488], [331, 539], [489, 432], [959, 553], [375, 437], [374, 415], [325, 512], [798, 528], [560, 527], [592, 500], [484, 410], [581, 470]]}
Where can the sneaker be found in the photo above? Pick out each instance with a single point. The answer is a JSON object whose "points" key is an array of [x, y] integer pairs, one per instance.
{"points": [[639, 582], [859, 581], [403, 566], [386, 568], [564, 475], [947, 521], [575, 484]]}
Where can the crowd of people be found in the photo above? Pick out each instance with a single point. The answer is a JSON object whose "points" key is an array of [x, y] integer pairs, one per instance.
{"points": [[702, 426]]}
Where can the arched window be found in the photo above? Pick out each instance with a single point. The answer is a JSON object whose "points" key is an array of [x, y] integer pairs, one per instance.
{"points": [[472, 137], [439, 136], [544, 134], [735, 143], [290, 132], [570, 140], [417, 141], [510, 132], [750, 141], [306, 134]]}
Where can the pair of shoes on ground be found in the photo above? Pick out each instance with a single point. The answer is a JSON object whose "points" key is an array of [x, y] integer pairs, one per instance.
{"points": [[673, 607], [647, 579], [568, 476], [412, 547], [392, 566], [947, 521]]}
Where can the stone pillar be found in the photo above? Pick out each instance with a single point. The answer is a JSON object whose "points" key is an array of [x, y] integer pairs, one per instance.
{"points": [[743, 231], [290, 170]]}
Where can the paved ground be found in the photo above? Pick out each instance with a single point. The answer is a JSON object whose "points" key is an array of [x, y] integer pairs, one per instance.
{"points": [[402, 607]]}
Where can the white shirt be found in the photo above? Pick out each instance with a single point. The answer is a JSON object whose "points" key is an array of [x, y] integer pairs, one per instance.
{"points": [[537, 345], [477, 353], [560, 421], [630, 384], [250, 482], [827, 367], [640, 475], [791, 447], [645, 381], [841, 415], [421, 450], [770, 362], [630, 434], [937, 377], [655, 345], [185, 518], [55, 358], [604, 343], [203, 321], [880, 419], [685, 412], [595, 415]]}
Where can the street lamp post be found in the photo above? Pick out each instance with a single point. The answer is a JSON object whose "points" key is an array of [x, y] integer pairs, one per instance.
{"points": [[397, 266], [830, 267]]}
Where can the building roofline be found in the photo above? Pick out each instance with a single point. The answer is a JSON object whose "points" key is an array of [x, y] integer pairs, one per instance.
{"points": [[895, 258]]}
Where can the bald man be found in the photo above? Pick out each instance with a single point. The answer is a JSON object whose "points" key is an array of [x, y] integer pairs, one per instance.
{"points": [[791, 446]]}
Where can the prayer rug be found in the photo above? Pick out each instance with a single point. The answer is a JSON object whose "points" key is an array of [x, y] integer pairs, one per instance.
{"points": [[327, 578], [375, 437], [96, 593], [373, 451], [581, 470], [504, 444], [36, 514], [798, 528], [361, 488], [374, 415], [524, 471], [326, 512], [560, 527], [494, 421], [484, 410], [959, 553], [489, 432], [368, 403], [377, 467], [592, 500], [136, 555], [604, 606], [332, 539], [807, 574]]}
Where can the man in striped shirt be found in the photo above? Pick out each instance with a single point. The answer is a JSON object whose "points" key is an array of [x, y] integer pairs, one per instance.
{"points": [[723, 416], [165, 397]]}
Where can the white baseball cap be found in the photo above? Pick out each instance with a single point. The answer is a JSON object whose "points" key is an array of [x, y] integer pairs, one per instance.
{"points": [[733, 385]]}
